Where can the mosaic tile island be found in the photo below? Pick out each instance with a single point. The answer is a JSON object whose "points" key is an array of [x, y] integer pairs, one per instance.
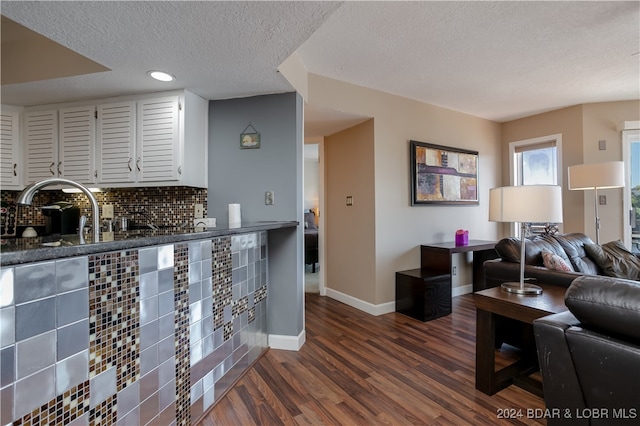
{"points": [[146, 331]]}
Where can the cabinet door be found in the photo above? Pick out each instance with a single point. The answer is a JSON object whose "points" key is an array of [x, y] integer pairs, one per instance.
{"points": [[116, 142], [9, 146], [76, 144], [158, 144], [40, 145]]}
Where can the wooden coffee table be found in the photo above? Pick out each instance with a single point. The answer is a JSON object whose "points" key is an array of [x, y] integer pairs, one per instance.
{"points": [[494, 302]]}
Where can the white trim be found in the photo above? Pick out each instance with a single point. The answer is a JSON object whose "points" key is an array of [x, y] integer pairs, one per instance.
{"points": [[287, 343], [628, 125], [627, 135], [384, 308], [367, 307], [460, 290]]}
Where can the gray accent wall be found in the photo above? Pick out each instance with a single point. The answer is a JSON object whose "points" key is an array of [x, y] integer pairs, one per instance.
{"points": [[243, 175]]}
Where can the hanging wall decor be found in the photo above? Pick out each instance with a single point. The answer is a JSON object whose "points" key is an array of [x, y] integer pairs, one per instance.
{"points": [[250, 137], [443, 175]]}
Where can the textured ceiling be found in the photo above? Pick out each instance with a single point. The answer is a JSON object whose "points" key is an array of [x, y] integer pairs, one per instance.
{"points": [[496, 60], [216, 49]]}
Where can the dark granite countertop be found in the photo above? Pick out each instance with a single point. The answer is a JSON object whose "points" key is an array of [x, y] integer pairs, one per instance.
{"points": [[15, 251]]}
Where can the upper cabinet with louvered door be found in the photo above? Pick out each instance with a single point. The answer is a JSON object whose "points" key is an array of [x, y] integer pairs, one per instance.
{"points": [[116, 142], [76, 144], [158, 144], [10, 166], [40, 145]]}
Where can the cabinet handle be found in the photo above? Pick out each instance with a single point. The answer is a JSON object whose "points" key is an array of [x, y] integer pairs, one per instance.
{"points": [[51, 169], [129, 164], [14, 169], [95, 174], [179, 170], [138, 164], [59, 171]]}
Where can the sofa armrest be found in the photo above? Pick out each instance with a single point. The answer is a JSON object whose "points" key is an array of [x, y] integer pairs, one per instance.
{"points": [[498, 271], [562, 389]]}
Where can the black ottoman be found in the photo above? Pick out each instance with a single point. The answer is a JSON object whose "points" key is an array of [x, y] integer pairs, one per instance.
{"points": [[423, 295]]}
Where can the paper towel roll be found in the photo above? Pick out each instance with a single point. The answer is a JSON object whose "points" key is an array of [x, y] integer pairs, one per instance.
{"points": [[234, 216]]}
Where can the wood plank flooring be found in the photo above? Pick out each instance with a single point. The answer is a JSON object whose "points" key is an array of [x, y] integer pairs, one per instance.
{"points": [[358, 369]]}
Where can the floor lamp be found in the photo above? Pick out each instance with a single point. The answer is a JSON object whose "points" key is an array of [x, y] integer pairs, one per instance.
{"points": [[597, 176], [525, 204]]}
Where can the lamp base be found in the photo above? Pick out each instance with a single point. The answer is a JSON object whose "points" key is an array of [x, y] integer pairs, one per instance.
{"points": [[526, 289]]}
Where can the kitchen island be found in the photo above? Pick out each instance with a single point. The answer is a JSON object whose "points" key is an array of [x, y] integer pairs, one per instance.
{"points": [[150, 328]]}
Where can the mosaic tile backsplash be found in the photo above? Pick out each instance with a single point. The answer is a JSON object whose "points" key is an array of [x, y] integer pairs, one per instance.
{"points": [[163, 206], [147, 336]]}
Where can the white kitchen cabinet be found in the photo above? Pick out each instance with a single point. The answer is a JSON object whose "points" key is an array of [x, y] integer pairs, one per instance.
{"points": [[172, 133], [115, 148], [40, 145], [10, 166], [76, 144], [60, 143], [158, 155], [157, 139]]}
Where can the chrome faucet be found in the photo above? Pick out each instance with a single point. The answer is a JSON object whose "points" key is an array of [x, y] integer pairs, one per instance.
{"points": [[26, 198]]}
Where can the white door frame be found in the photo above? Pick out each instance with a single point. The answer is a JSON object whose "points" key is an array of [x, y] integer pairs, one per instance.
{"points": [[629, 132]]}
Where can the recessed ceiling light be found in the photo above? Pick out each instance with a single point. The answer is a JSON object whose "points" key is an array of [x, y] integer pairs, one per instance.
{"points": [[160, 75]]}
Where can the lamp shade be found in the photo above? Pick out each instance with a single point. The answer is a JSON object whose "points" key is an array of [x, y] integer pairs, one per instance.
{"points": [[526, 203], [597, 175]]}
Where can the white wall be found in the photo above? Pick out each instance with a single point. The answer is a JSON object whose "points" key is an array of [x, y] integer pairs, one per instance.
{"points": [[400, 228]]}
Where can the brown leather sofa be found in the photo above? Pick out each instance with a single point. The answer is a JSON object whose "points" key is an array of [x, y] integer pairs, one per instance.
{"points": [[506, 268], [570, 247], [590, 355]]}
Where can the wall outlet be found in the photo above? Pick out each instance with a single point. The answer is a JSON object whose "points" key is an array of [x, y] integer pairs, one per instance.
{"points": [[454, 270], [270, 198], [198, 211], [349, 200], [107, 211]]}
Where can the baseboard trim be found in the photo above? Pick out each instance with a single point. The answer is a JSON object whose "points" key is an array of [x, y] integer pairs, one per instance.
{"points": [[367, 307], [383, 308], [463, 289], [287, 343]]}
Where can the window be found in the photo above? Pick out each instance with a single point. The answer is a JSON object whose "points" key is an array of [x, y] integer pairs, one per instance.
{"points": [[631, 199], [536, 162]]}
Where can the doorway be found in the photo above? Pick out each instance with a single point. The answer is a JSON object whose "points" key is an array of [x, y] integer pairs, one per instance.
{"points": [[312, 189]]}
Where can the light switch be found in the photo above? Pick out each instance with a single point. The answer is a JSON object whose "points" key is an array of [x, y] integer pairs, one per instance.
{"points": [[349, 200], [270, 198], [602, 200], [602, 145]]}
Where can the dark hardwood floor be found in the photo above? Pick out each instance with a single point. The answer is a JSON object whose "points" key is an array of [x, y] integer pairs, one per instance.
{"points": [[358, 369]]}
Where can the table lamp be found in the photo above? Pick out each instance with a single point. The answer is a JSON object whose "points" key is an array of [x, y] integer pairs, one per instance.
{"points": [[525, 204], [597, 176]]}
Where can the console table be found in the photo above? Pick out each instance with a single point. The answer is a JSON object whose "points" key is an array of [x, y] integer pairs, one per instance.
{"points": [[437, 258], [425, 293]]}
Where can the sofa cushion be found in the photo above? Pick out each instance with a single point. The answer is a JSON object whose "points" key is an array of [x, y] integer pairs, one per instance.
{"points": [[615, 260], [555, 262], [573, 246], [604, 303]]}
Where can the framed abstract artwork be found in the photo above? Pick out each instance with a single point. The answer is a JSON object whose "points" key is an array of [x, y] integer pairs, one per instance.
{"points": [[443, 175]]}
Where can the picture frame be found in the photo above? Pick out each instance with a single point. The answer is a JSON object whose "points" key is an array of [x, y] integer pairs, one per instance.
{"points": [[442, 175], [249, 140]]}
